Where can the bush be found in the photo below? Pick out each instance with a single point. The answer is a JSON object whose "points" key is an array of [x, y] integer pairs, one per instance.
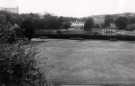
{"points": [[27, 25], [131, 27], [9, 28], [18, 67], [89, 24], [6, 35], [121, 23]]}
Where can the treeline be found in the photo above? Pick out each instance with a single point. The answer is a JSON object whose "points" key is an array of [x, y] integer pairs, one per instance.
{"points": [[26, 24], [13, 26], [117, 21]]}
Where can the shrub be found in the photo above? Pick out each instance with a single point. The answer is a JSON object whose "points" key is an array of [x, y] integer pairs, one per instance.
{"points": [[121, 23], [131, 27], [18, 67], [89, 24], [108, 20], [6, 35]]}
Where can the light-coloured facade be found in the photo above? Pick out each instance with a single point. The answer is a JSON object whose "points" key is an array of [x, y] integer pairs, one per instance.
{"points": [[77, 24]]}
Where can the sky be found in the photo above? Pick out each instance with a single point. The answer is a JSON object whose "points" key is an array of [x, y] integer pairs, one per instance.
{"points": [[74, 8]]}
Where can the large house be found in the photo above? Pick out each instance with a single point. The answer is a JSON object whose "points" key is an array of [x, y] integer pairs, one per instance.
{"points": [[77, 24]]}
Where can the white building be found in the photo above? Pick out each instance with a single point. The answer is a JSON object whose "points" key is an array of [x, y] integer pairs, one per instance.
{"points": [[77, 25]]}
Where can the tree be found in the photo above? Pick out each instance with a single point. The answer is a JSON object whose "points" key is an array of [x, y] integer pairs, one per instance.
{"points": [[7, 33], [131, 20], [65, 23], [89, 24], [10, 27], [51, 22], [130, 27], [121, 23], [10, 17], [28, 27], [108, 20]]}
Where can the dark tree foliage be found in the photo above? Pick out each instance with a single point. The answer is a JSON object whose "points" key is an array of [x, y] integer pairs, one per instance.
{"points": [[89, 24], [29, 23], [6, 34], [10, 27], [18, 67], [34, 19], [131, 20], [130, 27], [28, 27], [65, 23], [7, 27], [51, 22], [121, 23], [10, 17], [108, 20]]}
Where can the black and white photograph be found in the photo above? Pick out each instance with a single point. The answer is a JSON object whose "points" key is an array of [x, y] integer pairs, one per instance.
{"points": [[67, 42]]}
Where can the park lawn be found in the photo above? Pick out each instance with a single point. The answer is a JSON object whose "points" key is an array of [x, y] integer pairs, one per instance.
{"points": [[88, 61]]}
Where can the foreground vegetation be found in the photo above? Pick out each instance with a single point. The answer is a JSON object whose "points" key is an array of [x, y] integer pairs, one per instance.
{"points": [[18, 66]]}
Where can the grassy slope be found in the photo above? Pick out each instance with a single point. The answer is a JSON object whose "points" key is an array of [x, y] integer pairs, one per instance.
{"points": [[98, 61]]}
